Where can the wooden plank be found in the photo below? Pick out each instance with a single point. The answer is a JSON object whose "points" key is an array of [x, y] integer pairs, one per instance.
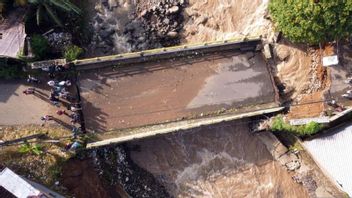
{"points": [[22, 139]]}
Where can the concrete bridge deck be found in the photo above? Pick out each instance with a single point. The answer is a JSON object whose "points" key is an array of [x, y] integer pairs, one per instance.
{"points": [[172, 89]]}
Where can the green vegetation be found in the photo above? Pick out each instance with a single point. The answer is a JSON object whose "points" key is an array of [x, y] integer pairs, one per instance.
{"points": [[41, 161], [73, 52], [312, 21], [35, 149], [39, 46], [311, 128], [295, 147], [49, 8]]}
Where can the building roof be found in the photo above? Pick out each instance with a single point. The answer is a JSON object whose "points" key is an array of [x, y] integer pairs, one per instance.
{"points": [[16, 185], [13, 34], [20, 187], [332, 151]]}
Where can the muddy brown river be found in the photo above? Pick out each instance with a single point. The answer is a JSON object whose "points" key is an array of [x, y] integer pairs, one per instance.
{"points": [[219, 161]]}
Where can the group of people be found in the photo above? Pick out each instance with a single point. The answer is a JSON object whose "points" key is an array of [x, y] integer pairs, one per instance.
{"points": [[60, 94]]}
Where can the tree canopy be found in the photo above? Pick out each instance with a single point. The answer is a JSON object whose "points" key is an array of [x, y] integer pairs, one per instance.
{"points": [[48, 6], [312, 21]]}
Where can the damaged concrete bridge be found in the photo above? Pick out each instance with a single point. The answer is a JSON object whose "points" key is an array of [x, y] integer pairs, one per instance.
{"points": [[143, 94]]}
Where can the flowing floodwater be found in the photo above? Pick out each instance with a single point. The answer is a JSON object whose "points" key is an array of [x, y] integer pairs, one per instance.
{"points": [[219, 161]]}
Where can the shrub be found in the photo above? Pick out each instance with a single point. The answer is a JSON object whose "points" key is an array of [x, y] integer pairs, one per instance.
{"points": [[40, 46], [311, 128], [73, 52], [312, 21], [35, 149]]}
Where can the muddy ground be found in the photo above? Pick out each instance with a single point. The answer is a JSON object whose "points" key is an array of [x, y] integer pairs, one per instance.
{"points": [[81, 174]]}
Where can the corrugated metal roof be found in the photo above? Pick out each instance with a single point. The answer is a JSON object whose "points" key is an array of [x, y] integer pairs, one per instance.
{"points": [[333, 153], [13, 34], [16, 185]]}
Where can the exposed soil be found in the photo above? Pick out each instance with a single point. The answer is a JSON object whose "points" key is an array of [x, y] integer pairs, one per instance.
{"points": [[309, 106], [116, 167], [300, 71], [83, 181]]}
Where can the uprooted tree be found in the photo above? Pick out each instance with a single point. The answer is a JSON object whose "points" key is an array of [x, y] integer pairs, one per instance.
{"points": [[312, 21]]}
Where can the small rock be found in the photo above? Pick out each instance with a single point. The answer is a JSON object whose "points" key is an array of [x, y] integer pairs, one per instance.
{"points": [[144, 13], [166, 21], [173, 9], [106, 33], [98, 19], [172, 34], [291, 166]]}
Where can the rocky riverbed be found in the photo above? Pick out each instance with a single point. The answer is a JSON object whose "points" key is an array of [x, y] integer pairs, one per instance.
{"points": [[120, 26]]}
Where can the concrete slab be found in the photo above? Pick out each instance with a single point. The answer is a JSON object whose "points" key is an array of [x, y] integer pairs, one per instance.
{"points": [[13, 33], [156, 92]]}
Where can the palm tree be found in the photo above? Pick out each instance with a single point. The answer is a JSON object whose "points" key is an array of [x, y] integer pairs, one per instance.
{"points": [[49, 7]]}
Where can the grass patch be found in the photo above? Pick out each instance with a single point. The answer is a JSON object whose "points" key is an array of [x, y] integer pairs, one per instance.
{"points": [[295, 147], [278, 125], [73, 52], [40, 162]]}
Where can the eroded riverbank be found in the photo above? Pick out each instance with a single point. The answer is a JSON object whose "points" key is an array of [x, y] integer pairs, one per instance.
{"points": [[223, 160]]}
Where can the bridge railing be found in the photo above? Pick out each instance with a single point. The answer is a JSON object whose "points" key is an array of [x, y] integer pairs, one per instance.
{"points": [[243, 43]]}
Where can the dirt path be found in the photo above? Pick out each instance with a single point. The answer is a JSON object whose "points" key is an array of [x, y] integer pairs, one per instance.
{"points": [[17, 108]]}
